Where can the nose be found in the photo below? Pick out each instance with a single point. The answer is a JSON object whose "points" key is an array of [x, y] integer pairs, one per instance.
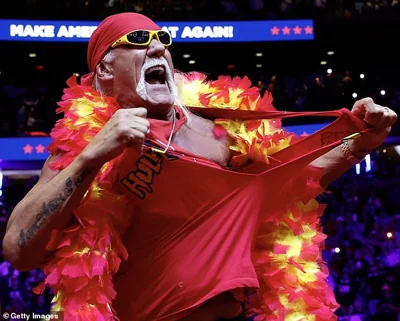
{"points": [[156, 49]]}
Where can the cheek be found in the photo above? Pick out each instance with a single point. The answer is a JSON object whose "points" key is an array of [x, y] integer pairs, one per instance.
{"points": [[137, 63], [169, 59], [128, 80], [129, 68]]}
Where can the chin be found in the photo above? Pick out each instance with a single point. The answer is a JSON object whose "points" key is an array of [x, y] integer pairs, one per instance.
{"points": [[160, 101], [158, 108]]}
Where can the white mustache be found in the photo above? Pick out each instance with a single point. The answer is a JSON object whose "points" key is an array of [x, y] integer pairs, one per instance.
{"points": [[151, 62], [169, 77]]}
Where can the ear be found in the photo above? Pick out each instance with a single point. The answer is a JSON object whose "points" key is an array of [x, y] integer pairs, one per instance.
{"points": [[104, 72]]}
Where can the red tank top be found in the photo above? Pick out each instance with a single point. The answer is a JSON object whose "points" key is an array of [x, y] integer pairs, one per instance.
{"points": [[195, 223]]}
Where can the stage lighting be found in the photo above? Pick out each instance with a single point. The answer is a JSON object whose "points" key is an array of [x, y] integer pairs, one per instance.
{"points": [[368, 165], [1, 183]]}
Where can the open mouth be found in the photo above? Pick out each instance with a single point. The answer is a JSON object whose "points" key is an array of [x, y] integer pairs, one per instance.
{"points": [[155, 75]]}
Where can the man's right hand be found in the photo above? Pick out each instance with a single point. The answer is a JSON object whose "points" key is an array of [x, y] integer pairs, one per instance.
{"points": [[50, 204], [127, 127]]}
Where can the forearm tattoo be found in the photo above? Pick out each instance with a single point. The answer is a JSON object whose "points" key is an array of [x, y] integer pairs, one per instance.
{"points": [[50, 207]]}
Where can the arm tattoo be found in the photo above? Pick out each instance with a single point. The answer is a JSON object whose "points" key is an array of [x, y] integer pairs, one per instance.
{"points": [[50, 207]]}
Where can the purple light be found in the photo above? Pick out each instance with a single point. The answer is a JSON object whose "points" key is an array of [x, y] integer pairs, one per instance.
{"points": [[1, 182]]}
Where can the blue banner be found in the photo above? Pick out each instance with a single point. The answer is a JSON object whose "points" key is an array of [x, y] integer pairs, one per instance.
{"points": [[24, 149], [213, 31], [34, 148]]}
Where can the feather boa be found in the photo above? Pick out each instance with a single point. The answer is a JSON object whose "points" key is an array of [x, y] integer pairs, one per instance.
{"points": [[287, 253]]}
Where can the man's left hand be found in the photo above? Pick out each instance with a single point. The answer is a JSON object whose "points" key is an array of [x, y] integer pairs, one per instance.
{"points": [[380, 118]]}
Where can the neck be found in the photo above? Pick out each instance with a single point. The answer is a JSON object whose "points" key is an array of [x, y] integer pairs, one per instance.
{"points": [[167, 114]]}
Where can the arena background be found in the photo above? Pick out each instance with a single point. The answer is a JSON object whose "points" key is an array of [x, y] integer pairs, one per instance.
{"points": [[354, 54]]}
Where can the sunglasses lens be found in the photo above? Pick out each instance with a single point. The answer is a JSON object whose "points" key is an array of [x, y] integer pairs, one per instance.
{"points": [[165, 37], [138, 37]]}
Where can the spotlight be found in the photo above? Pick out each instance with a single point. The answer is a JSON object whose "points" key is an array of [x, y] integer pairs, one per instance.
{"points": [[192, 62], [358, 169], [32, 55], [362, 76], [354, 95], [258, 66], [259, 54], [389, 235], [329, 71], [323, 62], [186, 56], [331, 53], [383, 93], [368, 165], [337, 250]]}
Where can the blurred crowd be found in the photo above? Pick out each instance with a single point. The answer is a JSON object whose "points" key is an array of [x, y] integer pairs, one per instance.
{"points": [[26, 111], [327, 91], [16, 288], [362, 221], [195, 9]]}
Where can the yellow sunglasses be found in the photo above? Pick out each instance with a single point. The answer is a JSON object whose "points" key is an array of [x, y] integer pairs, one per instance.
{"points": [[143, 38]]}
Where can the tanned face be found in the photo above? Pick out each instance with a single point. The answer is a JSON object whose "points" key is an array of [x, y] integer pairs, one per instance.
{"points": [[143, 77]]}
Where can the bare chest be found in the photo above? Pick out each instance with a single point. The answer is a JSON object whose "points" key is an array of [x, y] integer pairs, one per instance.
{"points": [[197, 137]]}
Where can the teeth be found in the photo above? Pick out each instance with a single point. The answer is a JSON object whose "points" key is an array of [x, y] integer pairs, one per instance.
{"points": [[155, 68]]}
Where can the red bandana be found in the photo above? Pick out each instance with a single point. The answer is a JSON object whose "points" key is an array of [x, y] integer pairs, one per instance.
{"points": [[110, 30]]}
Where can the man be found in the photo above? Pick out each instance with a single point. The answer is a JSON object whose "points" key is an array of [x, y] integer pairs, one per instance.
{"points": [[173, 272]]}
